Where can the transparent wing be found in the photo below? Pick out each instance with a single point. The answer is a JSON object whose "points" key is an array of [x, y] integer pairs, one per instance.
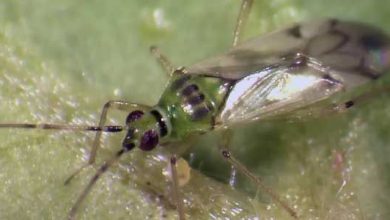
{"points": [[277, 90], [291, 88], [297, 67], [343, 46]]}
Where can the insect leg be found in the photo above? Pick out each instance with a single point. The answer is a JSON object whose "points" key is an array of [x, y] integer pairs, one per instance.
{"points": [[175, 185], [163, 60], [227, 136], [241, 20], [241, 168], [344, 106], [361, 99], [102, 169], [113, 104]]}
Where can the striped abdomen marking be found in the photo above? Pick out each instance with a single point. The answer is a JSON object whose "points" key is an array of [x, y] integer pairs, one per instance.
{"points": [[193, 100]]}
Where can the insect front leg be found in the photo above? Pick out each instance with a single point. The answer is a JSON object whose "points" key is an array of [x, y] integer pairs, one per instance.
{"points": [[112, 104], [163, 60], [165, 63], [227, 155], [175, 186], [102, 169]]}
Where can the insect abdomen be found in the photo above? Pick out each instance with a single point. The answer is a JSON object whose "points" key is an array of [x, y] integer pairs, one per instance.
{"points": [[193, 102]]}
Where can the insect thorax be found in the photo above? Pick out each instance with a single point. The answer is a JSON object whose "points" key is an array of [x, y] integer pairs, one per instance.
{"points": [[192, 102]]}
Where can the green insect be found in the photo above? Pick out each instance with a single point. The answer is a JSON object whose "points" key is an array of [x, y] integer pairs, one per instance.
{"points": [[310, 68]]}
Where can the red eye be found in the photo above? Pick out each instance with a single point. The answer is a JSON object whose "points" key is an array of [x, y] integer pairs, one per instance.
{"points": [[149, 140]]}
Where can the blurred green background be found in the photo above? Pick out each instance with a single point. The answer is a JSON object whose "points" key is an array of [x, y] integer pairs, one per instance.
{"points": [[60, 61]]}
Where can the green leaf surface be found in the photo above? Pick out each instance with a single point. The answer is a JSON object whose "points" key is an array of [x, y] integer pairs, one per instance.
{"points": [[60, 61]]}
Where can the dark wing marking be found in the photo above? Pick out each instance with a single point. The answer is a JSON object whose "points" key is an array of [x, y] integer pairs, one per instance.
{"points": [[348, 47]]}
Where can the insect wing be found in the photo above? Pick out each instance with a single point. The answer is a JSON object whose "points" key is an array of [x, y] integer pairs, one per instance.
{"points": [[269, 79], [249, 57], [278, 90], [349, 47]]}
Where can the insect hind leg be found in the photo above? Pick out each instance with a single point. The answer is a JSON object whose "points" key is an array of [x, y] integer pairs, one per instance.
{"points": [[344, 106], [244, 170], [361, 99]]}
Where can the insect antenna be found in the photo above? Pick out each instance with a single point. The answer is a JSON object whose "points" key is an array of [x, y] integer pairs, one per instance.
{"points": [[107, 128], [102, 169]]}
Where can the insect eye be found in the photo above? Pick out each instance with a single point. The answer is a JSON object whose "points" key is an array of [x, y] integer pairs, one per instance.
{"points": [[133, 116], [372, 42], [149, 140]]}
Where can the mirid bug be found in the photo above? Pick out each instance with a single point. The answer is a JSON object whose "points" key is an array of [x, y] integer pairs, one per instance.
{"points": [[310, 64]]}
